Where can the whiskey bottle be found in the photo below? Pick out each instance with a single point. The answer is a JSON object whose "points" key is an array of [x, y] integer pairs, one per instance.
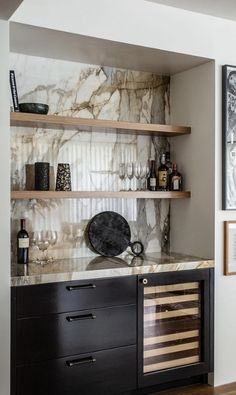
{"points": [[169, 166], [152, 180], [175, 179], [163, 174]]}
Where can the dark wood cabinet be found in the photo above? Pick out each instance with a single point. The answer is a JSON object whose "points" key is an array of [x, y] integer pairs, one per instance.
{"points": [[175, 327], [75, 337], [35, 300], [112, 336], [74, 333], [101, 373]]}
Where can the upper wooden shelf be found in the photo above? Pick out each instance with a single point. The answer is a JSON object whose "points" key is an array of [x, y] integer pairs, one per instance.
{"points": [[16, 195], [73, 123]]}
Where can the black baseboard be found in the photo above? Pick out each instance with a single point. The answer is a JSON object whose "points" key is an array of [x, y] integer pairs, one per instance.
{"points": [[203, 379]]}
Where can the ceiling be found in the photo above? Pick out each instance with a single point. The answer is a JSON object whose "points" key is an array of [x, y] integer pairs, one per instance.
{"points": [[32, 40], [220, 8], [8, 7]]}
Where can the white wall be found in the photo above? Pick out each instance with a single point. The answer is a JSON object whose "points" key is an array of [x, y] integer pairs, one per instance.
{"points": [[144, 23], [4, 214], [192, 103]]}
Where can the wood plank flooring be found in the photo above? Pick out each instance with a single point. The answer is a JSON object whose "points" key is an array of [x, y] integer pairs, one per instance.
{"points": [[229, 389]]}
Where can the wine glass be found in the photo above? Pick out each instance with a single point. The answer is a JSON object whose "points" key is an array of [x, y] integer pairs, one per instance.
{"points": [[42, 242], [137, 174], [130, 173], [122, 174], [144, 174], [52, 236], [33, 243]]}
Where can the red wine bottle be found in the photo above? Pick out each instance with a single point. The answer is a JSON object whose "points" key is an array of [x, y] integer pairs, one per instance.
{"points": [[22, 244], [152, 181]]}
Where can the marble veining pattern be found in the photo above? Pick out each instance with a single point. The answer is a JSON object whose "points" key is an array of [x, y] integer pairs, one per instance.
{"points": [[100, 267], [91, 92]]}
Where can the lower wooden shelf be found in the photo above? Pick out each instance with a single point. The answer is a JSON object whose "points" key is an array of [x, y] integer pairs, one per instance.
{"points": [[17, 195]]}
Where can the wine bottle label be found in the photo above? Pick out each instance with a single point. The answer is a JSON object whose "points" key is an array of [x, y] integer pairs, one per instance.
{"points": [[23, 242], [153, 182], [176, 183], [162, 175]]}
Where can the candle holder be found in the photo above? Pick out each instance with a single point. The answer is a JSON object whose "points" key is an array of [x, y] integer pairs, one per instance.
{"points": [[42, 176]]}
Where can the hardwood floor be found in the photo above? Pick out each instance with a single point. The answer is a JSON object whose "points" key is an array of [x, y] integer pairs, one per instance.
{"points": [[229, 389]]}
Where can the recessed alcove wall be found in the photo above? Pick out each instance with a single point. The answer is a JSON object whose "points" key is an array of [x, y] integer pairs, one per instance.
{"points": [[88, 91]]}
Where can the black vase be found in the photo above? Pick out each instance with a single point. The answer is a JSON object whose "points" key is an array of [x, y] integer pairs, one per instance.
{"points": [[41, 176]]}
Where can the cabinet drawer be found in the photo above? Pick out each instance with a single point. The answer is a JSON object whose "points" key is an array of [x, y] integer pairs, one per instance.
{"points": [[76, 295], [58, 335], [101, 373]]}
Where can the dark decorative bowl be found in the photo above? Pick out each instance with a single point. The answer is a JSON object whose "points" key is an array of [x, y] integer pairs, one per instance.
{"points": [[35, 108]]}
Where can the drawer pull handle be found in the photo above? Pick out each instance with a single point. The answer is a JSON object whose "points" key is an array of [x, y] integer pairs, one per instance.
{"points": [[78, 287], [81, 361], [80, 317]]}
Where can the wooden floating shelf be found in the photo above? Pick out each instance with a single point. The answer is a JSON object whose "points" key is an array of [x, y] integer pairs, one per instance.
{"points": [[17, 195], [21, 119]]}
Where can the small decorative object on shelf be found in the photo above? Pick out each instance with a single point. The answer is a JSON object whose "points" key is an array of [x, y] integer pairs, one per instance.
{"points": [[14, 91], [175, 179], [63, 182], [42, 176], [163, 174], [34, 108], [152, 181], [22, 244], [30, 177]]}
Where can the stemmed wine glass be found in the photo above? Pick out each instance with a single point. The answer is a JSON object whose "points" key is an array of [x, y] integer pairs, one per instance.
{"points": [[52, 238], [122, 173], [144, 174], [137, 174], [43, 244], [42, 240], [130, 173]]}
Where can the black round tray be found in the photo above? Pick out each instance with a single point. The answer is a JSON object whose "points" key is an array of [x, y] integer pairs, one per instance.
{"points": [[108, 233]]}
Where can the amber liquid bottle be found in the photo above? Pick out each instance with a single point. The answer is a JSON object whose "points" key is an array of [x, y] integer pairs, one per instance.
{"points": [[152, 180], [169, 166], [163, 174], [175, 179]]}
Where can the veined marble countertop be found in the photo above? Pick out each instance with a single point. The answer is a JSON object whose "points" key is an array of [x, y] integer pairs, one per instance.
{"points": [[98, 267]]}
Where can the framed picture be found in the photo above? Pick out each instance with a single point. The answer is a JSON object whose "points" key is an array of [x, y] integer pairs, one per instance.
{"points": [[229, 247], [229, 137]]}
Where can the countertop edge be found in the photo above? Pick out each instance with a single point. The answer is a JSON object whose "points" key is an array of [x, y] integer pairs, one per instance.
{"points": [[110, 273]]}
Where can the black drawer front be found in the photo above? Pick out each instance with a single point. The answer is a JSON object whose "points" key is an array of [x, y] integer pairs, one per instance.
{"points": [[76, 295], [101, 373], [58, 335]]}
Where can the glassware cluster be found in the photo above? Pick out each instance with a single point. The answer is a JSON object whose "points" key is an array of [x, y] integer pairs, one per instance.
{"points": [[134, 170]]}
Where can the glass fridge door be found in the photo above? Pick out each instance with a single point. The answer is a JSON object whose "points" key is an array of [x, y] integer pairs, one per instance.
{"points": [[171, 326]]}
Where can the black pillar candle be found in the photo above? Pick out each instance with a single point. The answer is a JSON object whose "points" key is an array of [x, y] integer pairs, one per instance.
{"points": [[41, 176]]}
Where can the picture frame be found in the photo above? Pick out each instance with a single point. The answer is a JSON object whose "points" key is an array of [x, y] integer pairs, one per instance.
{"points": [[229, 248], [229, 137]]}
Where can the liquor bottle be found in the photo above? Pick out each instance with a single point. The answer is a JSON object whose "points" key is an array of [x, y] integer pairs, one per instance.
{"points": [[175, 179], [169, 166], [162, 174], [22, 244], [152, 180]]}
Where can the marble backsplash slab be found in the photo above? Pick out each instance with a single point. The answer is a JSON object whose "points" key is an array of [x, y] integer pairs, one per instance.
{"points": [[90, 92]]}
